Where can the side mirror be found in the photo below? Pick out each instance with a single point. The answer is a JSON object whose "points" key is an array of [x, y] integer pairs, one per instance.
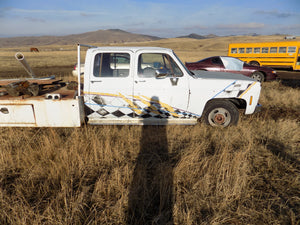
{"points": [[161, 73]]}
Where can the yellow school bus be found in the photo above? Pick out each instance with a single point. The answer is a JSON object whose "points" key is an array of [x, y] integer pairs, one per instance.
{"points": [[272, 54]]}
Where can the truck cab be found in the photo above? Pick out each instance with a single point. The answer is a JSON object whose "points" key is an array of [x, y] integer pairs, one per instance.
{"points": [[150, 85]]}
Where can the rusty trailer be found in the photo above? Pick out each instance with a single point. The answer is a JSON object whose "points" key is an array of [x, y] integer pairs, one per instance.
{"points": [[53, 106]]}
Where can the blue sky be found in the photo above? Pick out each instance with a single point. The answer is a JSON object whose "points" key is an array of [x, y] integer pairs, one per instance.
{"points": [[163, 18]]}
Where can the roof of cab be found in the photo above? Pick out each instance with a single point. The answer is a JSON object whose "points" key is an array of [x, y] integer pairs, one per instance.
{"points": [[130, 48]]}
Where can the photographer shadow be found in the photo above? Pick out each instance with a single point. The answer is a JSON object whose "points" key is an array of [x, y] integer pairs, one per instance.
{"points": [[151, 191]]}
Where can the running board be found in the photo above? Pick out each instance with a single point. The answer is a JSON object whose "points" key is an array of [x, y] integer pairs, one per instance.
{"points": [[140, 121]]}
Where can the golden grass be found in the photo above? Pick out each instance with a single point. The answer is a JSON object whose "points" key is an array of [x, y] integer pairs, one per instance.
{"points": [[247, 174]]}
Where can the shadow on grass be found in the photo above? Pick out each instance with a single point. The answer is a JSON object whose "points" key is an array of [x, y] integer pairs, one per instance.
{"points": [[291, 82], [150, 194], [279, 149]]}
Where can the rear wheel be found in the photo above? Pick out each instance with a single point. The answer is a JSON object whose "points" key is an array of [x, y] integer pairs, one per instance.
{"points": [[258, 76], [221, 113], [254, 63]]}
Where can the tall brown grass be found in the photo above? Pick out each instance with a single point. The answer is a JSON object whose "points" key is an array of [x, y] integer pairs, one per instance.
{"points": [[247, 174]]}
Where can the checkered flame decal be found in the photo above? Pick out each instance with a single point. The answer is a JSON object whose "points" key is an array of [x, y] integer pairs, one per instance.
{"points": [[120, 106]]}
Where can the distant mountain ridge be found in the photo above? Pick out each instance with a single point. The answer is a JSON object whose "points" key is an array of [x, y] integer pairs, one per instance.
{"points": [[99, 36], [197, 36]]}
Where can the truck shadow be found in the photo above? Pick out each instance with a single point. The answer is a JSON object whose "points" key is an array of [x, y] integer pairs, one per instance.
{"points": [[151, 190]]}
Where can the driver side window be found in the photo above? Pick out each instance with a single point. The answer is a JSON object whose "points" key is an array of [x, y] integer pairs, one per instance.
{"points": [[150, 62], [217, 61]]}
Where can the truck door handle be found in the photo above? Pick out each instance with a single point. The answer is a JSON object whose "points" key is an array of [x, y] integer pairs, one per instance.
{"points": [[95, 81], [140, 81]]}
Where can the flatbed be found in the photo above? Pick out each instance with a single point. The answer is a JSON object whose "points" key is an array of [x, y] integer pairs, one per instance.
{"points": [[47, 87], [54, 106]]}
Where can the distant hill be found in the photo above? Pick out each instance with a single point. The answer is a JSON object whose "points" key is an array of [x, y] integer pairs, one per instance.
{"points": [[100, 36], [197, 36]]}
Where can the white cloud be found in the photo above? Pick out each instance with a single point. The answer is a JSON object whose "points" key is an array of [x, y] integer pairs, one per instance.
{"points": [[198, 27], [241, 26], [274, 13], [35, 20], [33, 12]]}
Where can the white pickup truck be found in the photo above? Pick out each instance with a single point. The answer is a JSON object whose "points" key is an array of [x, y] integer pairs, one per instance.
{"points": [[134, 85]]}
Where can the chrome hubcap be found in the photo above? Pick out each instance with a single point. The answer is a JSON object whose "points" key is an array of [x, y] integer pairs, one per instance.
{"points": [[219, 117]]}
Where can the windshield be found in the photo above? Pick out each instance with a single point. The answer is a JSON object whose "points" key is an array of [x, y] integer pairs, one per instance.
{"points": [[232, 63], [189, 72]]}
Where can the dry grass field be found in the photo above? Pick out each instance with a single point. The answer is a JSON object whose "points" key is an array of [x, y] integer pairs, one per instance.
{"points": [[246, 174]]}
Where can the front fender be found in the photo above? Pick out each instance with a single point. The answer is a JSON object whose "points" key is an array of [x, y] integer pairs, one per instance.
{"points": [[251, 96]]}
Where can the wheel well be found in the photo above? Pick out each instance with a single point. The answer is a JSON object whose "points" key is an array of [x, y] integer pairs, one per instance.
{"points": [[264, 73], [238, 102], [222, 112]]}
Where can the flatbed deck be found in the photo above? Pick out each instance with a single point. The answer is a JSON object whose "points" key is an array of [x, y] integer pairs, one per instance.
{"points": [[54, 105], [47, 87]]}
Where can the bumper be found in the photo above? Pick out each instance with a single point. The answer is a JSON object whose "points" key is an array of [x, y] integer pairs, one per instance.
{"points": [[271, 76]]}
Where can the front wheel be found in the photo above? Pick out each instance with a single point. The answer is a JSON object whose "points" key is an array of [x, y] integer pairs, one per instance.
{"points": [[258, 76], [221, 113]]}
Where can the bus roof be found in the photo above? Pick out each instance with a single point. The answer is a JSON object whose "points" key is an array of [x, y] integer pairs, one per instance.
{"points": [[297, 43]]}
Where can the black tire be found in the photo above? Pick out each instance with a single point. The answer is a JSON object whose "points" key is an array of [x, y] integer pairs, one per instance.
{"points": [[221, 113], [258, 76]]}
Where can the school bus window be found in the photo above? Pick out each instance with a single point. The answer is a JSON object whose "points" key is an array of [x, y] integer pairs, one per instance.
{"points": [[248, 50], [241, 50], [256, 50], [273, 50], [282, 50], [291, 49], [265, 50], [234, 50]]}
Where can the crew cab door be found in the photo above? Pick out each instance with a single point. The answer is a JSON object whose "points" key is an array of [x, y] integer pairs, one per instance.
{"points": [[163, 98], [108, 87]]}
